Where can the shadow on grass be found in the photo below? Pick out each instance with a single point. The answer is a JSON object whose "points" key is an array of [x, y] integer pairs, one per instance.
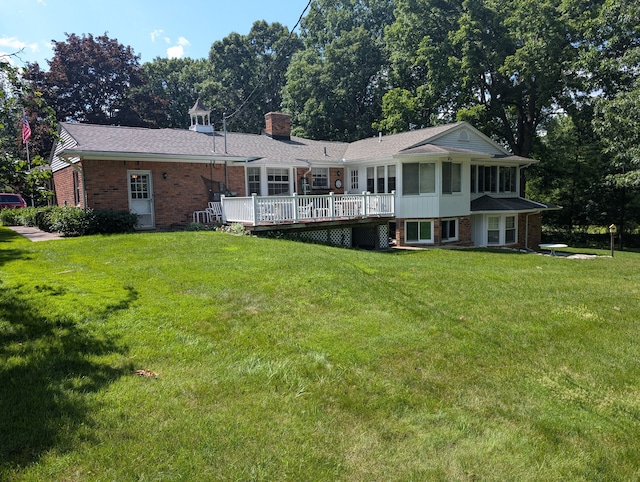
{"points": [[6, 255], [49, 367]]}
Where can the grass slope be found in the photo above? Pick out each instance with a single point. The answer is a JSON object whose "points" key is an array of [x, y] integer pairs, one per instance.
{"points": [[278, 360]]}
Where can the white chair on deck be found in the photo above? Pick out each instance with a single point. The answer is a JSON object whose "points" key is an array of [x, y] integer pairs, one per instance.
{"points": [[215, 211]]}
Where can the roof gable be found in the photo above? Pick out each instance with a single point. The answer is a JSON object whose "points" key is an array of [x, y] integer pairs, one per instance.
{"points": [[464, 136]]}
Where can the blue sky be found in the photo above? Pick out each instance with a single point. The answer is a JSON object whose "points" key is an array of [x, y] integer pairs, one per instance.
{"points": [[160, 28]]}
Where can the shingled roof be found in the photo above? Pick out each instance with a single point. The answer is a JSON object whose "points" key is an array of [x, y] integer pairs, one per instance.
{"points": [[490, 204], [114, 142]]}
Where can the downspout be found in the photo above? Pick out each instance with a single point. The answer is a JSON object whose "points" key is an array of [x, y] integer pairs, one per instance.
{"points": [[307, 173], [226, 177]]}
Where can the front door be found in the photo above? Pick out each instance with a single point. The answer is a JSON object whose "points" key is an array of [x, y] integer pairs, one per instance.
{"points": [[141, 198]]}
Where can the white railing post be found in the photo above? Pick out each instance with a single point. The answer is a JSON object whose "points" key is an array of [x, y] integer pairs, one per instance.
{"points": [[332, 205], [224, 217], [254, 203], [365, 201], [393, 202], [295, 207]]}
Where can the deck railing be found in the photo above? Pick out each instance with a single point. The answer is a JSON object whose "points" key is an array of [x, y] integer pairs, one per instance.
{"points": [[260, 210]]}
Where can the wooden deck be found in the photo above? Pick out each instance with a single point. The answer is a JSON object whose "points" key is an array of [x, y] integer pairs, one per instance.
{"points": [[271, 211]]}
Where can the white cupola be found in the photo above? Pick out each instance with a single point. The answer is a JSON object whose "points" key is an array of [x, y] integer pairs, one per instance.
{"points": [[200, 118]]}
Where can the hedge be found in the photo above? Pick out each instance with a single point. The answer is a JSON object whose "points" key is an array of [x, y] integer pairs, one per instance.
{"points": [[71, 221]]}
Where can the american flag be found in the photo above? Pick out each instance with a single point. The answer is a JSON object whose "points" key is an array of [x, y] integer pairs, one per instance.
{"points": [[26, 129]]}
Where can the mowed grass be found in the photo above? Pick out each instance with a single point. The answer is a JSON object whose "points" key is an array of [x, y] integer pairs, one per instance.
{"points": [[278, 360]]}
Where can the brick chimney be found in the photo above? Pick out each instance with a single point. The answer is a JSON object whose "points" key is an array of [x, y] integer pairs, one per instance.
{"points": [[278, 125]]}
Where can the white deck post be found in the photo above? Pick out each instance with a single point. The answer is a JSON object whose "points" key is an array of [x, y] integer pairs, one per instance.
{"points": [[365, 200], [254, 203], [332, 205], [295, 207]]}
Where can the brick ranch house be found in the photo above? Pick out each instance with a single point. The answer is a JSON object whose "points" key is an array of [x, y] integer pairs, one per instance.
{"points": [[448, 185]]}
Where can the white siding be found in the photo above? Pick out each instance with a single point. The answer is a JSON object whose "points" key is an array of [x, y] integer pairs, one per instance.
{"points": [[453, 205], [475, 142], [477, 230], [65, 142], [416, 207]]}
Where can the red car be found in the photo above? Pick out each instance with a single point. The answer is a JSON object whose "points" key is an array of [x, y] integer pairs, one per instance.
{"points": [[9, 200]]}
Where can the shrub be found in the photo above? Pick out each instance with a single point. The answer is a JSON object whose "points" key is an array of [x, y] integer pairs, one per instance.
{"points": [[112, 222], [196, 227], [10, 217], [28, 216], [236, 228], [70, 221]]}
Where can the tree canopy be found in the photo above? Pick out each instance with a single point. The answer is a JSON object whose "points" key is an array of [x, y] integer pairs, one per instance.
{"points": [[90, 80], [20, 172], [335, 84]]}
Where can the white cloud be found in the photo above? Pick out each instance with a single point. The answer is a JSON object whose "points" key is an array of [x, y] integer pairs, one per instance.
{"points": [[10, 46], [155, 34], [14, 44], [175, 52], [42, 2], [167, 40]]}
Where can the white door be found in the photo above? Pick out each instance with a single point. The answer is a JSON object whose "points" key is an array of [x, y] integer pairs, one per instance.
{"points": [[141, 198]]}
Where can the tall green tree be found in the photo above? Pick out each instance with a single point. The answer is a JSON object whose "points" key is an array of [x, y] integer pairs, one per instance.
{"points": [[90, 80], [19, 172], [335, 84], [504, 65], [172, 87], [247, 75], [570, 171], [618, 123]]}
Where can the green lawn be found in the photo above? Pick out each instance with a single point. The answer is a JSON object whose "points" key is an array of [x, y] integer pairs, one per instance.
{"points": [[278, 360]]}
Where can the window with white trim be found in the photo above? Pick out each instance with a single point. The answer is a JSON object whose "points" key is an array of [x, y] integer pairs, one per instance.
{"points": [[354, 180], [418, 231], [320, 177], [451, 177], [494, 179], [449, 230], [493, 230], [380, 179], [418, 178], [277, 181], [371, 181], [502, 230], [253, 180], [391, 178], [507, 179]]}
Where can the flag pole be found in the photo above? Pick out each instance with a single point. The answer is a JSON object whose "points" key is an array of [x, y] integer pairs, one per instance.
{"points": [[26, 135]]}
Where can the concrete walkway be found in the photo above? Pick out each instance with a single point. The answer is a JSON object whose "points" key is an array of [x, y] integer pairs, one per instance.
{"points": [[34, 234]]}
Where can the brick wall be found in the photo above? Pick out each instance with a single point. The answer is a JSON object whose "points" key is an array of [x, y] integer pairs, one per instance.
{"points": [[64, 187], [278, 125], [464, 233], [185, 189], [535, 231]]}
